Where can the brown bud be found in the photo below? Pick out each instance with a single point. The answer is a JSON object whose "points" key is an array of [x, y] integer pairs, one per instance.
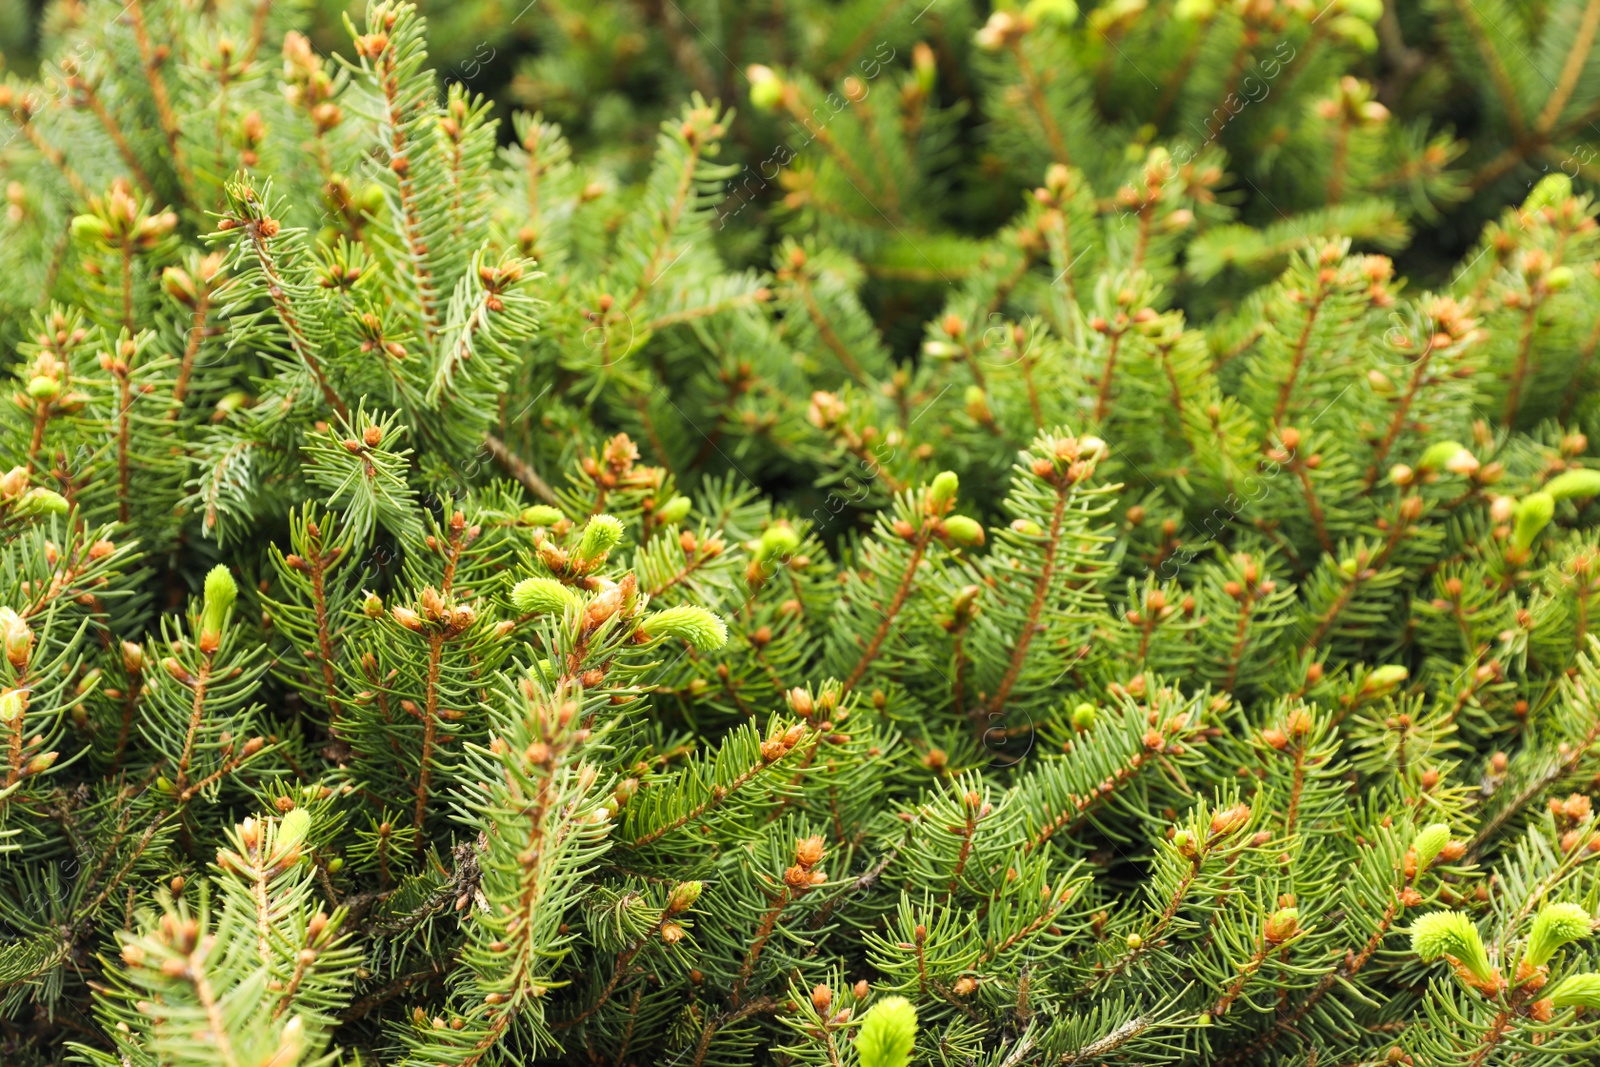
{"points": [[808, 852], [800, 702], [1230, 819]]}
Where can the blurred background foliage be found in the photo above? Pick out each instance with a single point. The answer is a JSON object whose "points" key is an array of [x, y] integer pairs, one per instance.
{"points": [[609, 71]]}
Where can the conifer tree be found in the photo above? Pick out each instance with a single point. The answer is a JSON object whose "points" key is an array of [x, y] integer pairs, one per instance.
{"points": [[934, 548]]}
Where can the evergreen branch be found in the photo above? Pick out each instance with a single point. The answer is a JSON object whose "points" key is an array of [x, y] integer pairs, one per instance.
{"points": [[165, 114], [1042, 111], [384, 53], [519, 469], [91, 100], [1041, 588], [259, 229], [1571, 68], [22, 113], [1472, 20], [902, 591]]}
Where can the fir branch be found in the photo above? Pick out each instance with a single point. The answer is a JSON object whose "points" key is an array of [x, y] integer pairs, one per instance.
{"points": [[259, 230], [165, 114], [1571, 68], [519, 469], [902, 591]]}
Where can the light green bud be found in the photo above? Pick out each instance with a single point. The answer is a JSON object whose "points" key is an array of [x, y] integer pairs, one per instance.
{"points": [[1451, 933], [41, 501], [778, 541], [1438, 455], [601, 535], [766, 88], [90, 227], [888, 1034], [1573, 484], [684, 894], [292, 829], [673, 510], [1554, 926], [220, 593], [1552, 189], [1358, 32], [1386, 678], [1428, 843], [1059, 12], [1577, 991], [541, 515], [690, 622], [963, 530], [542, 596], [1531, 515]]}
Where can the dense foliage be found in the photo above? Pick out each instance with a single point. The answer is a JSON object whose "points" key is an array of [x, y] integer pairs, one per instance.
{"points": [[977, 557]]}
